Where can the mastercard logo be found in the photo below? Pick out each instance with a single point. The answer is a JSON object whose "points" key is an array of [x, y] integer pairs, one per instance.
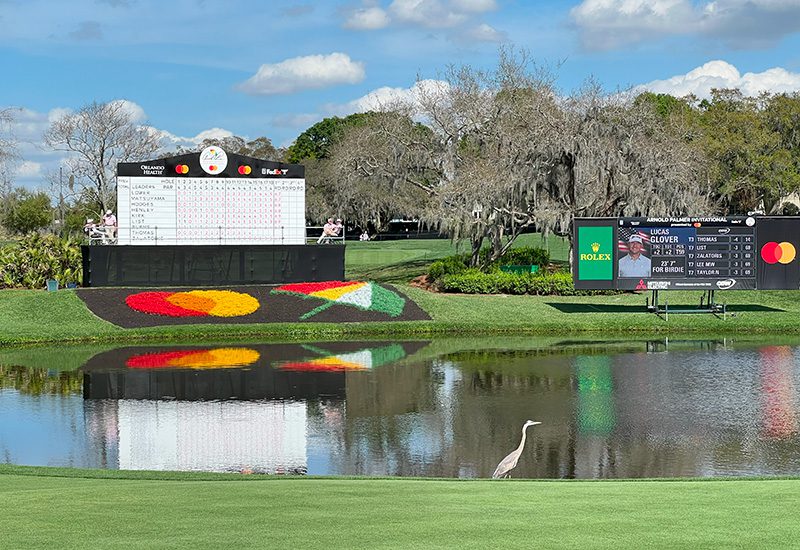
{"points": [[774, 253], [194, 303]]}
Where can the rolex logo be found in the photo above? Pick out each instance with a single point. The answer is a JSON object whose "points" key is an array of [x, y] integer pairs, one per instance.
{"points": [[595, 247]]}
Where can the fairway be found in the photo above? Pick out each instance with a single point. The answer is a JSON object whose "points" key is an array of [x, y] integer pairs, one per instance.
{"points": [[401, 260], [47, 512]]}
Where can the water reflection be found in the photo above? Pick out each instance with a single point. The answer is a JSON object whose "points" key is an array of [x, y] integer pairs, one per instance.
{"points": [[441, 408]]}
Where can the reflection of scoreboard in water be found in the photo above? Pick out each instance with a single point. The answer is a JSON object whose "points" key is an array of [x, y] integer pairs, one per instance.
{"points": [[706, 253]]}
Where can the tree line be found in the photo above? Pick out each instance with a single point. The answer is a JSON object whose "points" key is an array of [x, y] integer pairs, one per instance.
{"points": [[484, 155]]}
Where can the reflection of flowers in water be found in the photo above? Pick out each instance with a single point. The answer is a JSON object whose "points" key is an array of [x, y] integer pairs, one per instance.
{"points": [[195, 359], [359, 360], [194, 303], [325, 364]]}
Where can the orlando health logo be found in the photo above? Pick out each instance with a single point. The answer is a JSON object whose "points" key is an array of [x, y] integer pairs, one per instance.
{"points": [[773, 252]]}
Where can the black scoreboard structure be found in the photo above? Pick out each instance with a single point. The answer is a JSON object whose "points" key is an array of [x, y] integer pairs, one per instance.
{"points": [[210, 219], [690, 253]]}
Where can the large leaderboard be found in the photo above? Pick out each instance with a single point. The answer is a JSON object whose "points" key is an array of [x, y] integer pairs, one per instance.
{"points": [[705, 253], [210, 198]]}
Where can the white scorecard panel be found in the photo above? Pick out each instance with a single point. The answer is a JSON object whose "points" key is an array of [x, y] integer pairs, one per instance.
{"points": [[176, 201]]}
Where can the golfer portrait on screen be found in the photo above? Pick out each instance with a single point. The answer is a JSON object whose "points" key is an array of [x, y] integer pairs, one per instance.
{"points": [[634, 263]]}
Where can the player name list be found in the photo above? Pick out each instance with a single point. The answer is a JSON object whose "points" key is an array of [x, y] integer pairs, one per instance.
{"points": [[211, 210], [711, 252]]}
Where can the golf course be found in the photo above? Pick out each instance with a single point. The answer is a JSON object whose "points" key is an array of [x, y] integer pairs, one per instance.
{"points": [[45, 507]]}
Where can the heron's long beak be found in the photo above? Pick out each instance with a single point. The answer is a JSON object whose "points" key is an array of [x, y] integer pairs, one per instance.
{"points": [[534, 423]]}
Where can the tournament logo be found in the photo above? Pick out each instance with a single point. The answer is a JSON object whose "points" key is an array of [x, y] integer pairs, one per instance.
{"points": [[773, 252], [213, 160]]}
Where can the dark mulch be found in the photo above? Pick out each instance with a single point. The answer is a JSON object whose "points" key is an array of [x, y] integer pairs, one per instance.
{"points": [[109, 304]]}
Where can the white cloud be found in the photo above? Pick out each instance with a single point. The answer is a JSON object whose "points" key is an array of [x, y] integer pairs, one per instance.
{"points": [[367, 18], [36, 160], [456, 17], [484, 33], [134, 110], [720, 74], [298, 120], [386, 96], [212, 133], [476, 6], [606, 24], [426, 13], [170, 141], [301, 73], [29, 169]]}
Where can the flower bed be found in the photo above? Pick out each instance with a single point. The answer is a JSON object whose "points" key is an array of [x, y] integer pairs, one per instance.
{"points": [[194, 303]]}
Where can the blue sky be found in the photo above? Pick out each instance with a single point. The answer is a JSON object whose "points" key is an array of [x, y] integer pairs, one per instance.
{"points": [[196, 68]]}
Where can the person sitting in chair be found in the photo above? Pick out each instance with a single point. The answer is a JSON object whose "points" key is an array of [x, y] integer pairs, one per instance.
{"points": [[328, 231]]}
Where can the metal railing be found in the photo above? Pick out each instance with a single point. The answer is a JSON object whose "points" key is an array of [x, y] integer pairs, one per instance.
{"points": [[315, 235], [239, 234]]}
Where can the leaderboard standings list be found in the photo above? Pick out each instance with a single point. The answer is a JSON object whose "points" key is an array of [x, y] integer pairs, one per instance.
{"points": [[165, 210], [692, 254]]}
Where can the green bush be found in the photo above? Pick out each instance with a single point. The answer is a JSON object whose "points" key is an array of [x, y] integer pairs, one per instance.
{"points": [[524, 255], [448, 266], [27, 212], [36, 258], [453, 265], [473, 281]]}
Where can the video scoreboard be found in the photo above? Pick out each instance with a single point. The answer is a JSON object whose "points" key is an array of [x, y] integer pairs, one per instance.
{"points": [[705, 253]]}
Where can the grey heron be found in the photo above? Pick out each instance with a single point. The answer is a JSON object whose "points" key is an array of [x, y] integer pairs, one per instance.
{"points": [[510, 462]]}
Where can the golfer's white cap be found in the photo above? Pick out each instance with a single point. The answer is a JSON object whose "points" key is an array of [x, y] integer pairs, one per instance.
{"points": [[635, 239]]}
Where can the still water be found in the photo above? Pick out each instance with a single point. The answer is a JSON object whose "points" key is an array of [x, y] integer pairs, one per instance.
{"points": [[445, 408]]}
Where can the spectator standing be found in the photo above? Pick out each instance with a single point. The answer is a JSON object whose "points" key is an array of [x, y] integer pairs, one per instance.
{"points": [[110, 223], [110, 219]]}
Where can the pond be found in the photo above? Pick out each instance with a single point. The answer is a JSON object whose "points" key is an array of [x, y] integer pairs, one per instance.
{"points": [[435, 408]]}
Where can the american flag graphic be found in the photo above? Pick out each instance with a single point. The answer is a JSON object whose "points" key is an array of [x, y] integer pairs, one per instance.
{"points": [[624, 233]]}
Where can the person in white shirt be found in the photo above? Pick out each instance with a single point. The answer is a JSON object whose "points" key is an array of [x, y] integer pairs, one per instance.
{"points": [[110, 219], [110, 224], [634, 264], [328, 231]]}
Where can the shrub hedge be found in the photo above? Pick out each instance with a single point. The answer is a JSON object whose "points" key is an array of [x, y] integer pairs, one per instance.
{"points": [[37, 258], [524, 255], [473, 281]]}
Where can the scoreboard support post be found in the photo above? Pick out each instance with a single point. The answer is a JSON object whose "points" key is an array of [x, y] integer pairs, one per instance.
{"points": [[708, 304]]}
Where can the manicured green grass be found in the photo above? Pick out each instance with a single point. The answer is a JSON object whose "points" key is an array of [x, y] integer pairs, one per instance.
{"points": [[36, 316], [402, 260], [57, 512]]}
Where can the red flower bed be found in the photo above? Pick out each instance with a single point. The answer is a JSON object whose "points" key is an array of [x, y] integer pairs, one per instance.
{"points": [[156, 303]]}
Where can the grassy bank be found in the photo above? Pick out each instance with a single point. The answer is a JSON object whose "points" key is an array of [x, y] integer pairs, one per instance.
{"points": [[194, 512], [36, 316]]}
